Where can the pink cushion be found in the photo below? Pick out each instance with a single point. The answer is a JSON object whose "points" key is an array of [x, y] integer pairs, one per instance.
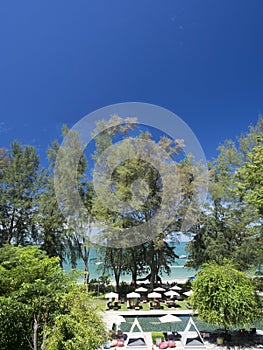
{"points": [[163, 345], [171, 344], [120, 342]]}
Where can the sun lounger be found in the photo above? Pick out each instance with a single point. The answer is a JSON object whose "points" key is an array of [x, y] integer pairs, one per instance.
{"points": [[116, 306], [137, 306], [150, 305], [172, 336], [128, 304]]}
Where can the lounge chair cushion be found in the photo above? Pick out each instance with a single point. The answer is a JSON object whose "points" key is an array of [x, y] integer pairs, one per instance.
{"points": [[163, 345], [120, 342], [171, 344]]}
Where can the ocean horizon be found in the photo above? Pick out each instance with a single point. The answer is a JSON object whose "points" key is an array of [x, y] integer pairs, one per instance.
{"points": [[178, 269]]}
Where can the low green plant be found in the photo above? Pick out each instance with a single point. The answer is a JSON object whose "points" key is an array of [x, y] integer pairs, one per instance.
{"points": [[157, 335]]}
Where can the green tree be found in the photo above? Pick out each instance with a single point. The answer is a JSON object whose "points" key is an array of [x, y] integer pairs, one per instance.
{"points": [[250, 190], [80, 328], [250, 177], [70, 168], [223, 225], [229, 226], [25, 279], [158, 255], [113, 259], [135, 262], [51, 224], [18, 189], [16, 327], [4, 159], [32, 284], [141, 173], [224, 296]]}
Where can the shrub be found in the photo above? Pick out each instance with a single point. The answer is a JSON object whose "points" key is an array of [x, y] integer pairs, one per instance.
{"points": [[224, 296], [157, 335]]}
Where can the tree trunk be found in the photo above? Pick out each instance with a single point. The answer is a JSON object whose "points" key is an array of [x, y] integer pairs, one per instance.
{"points": [[152, 265], [43, 346], [86, 264], [134, 277], [117, 280], [35, 332], [84, 254]]}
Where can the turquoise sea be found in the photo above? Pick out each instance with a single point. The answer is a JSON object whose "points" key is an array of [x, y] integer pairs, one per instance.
{"points": [[178, 271]]}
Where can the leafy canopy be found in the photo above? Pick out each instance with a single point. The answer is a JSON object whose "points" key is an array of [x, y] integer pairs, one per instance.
{"points": [[39, 302], [224, 296]]}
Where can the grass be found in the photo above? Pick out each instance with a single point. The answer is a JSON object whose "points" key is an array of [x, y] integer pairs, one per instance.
{"points": [[100, 301]]}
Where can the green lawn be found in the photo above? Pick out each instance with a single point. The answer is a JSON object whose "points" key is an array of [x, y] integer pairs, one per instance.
{"points": [[101, 303]]}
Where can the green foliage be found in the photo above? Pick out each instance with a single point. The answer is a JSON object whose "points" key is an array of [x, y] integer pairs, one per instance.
{"points": [[125, 288], [230, 225], [224, 296], [18, 188], [137, 186], [49, 219], [78, 329], [15, 324], [250, 177], [157, 335], [70, 179], [31, 283], [35, 294]]}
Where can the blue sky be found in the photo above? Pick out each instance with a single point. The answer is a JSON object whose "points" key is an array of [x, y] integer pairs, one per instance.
{"points": [[62, 59]]}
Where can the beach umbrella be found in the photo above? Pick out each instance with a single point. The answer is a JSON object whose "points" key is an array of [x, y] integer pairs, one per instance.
{"points": [[111, 295], [190, 292], [171, 293], [176, 288], [169, 318], [110, 319], [133, 295], [141, 289], [159, 289], [154, 295]]}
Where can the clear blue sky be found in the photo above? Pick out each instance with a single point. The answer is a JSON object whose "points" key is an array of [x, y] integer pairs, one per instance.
{"points": [[62, 59]]}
